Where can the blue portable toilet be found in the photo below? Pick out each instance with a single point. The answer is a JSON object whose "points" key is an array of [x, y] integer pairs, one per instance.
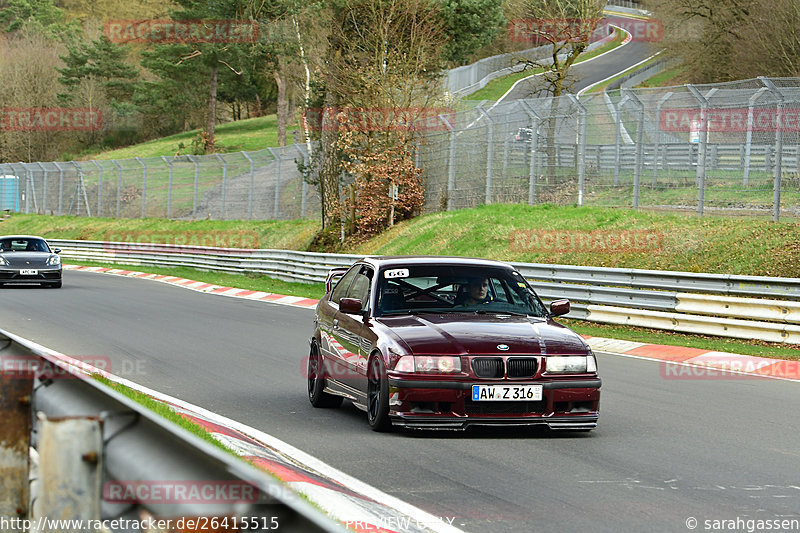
{"points": [[9, 192]]}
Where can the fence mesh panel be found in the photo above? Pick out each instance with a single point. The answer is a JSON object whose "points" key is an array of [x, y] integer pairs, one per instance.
{"points": [[726, 148]]}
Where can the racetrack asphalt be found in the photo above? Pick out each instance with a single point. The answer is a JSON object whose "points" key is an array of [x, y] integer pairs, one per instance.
{"points": [[666, 449], [587, 73]]}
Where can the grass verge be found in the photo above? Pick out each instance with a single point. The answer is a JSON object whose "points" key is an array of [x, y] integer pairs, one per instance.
{"points": [[498, 87], [666, 78], [280, 234], [248, 134], [507, 232], [544, 234], [165, 411]]}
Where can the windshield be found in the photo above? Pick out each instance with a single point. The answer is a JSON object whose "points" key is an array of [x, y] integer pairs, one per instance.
{"points": [[455, 289], [23, 245]]}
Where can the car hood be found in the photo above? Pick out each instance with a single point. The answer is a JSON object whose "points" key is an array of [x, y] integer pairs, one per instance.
{"points": [[27, 259], [466, 334]]}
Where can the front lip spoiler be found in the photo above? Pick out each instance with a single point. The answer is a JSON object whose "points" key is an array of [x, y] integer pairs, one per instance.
{"points": [[586, 422], [593, 383]]}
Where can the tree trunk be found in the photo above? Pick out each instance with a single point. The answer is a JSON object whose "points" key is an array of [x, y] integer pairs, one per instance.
{"points": [[306, 86], [283, 105], [329, 166], [557, 89], [211, 116]]}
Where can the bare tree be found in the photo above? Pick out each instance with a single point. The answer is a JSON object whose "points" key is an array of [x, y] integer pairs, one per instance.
{"points": [[772, 47], [705, 34], [565, 26], [28, 64], [383, 64]]}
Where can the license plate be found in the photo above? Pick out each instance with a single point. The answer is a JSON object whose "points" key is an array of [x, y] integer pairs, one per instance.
{"points": [[506, 393], [28, 272]]}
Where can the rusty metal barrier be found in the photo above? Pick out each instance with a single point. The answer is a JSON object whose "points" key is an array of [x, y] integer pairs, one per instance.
{"points": [[85, 437]]}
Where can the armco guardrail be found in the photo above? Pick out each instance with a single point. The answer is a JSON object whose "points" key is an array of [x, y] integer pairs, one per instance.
{"points": [[651, 298], [87, 437], [286, 265]]}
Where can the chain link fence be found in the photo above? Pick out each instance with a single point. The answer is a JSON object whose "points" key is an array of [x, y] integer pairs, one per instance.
{"points": [[725, 148], [242, 185], [731, 147]]}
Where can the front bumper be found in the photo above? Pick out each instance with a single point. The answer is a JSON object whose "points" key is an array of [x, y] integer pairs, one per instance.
{"points": [[566, 404], [577, 422], [43, 275]]}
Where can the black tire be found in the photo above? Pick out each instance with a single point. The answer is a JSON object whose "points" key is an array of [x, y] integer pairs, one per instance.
{"points": [[55, 285], [316, 382], [378, 396]]}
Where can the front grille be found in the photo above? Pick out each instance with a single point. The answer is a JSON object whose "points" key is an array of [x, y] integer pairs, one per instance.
{"points": [[502, 408], [522, 367], [488, 367]]}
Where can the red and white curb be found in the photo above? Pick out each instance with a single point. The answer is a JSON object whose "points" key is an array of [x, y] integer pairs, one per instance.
{"points": [[698, 362], [199, 286], [682, 356], [355, 504]]}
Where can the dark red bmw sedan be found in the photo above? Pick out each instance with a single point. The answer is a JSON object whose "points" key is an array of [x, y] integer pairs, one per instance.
{"points": [[445, 343]]}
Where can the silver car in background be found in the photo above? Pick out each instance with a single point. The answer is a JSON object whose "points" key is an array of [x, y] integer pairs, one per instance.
{"points": [[28, 259]]}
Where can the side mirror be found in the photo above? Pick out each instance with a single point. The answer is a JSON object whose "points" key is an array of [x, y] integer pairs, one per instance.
{"points": [[559, 307], [56, 250], [351, 306]]}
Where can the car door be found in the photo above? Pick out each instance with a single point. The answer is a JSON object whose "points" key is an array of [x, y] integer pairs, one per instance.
{"points": [[352, 334], [327, 320]]}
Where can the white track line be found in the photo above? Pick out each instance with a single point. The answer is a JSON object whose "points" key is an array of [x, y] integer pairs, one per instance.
{"points": [[430, 522], [421, 517], [480, 117], [627, 41], [595, 84]]}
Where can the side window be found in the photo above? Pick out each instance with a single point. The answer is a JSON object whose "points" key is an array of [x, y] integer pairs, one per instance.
{"points": [[344, 283], [508, 293], [497, 291], [361, 287]]}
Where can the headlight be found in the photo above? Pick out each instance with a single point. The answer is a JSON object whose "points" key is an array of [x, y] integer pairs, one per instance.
{"points": [[437, 364], [571, 364], [3, 261], [53, 260]]}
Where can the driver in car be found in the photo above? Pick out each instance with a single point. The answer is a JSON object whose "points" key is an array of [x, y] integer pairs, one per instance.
{"points": [[477, 292]]}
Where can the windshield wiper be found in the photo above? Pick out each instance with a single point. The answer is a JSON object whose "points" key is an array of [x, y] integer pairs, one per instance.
{"points": [[485, 312]]}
